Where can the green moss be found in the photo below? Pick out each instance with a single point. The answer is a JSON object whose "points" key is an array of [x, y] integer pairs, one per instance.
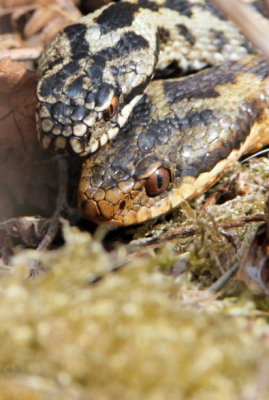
{"points": [[138, 333]]}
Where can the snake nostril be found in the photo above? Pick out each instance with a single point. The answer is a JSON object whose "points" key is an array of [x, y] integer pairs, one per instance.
{"points": [[122, 205]]}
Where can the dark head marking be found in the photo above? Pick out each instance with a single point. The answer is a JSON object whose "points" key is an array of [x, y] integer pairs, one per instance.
{"points": [[116, 16], [184, 7], [102, 94], [76, 36], [128, 43], [148, 4]]}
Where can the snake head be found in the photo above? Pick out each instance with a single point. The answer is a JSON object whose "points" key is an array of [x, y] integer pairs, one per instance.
{"points": [[80, 111], [122, 198], [91, 76]]}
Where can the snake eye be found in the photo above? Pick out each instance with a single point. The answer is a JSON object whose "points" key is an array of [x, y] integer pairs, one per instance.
{"points": [[157, 182], [112, 109]]}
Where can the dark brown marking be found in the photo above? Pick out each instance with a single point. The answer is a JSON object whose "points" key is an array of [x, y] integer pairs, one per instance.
{"points": [[178, 91], [184, 7], [164, 35], [248, 114], [122, 204], [184, 31], [260, 68], [205, 84], [219, 39]]}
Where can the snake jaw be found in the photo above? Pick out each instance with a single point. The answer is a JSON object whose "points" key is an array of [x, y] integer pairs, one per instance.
{"points": [[122, 205], [101, 211], [115, 205]]}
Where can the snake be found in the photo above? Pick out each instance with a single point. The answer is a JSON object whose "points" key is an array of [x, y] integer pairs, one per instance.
{"points": [[147, 144]]}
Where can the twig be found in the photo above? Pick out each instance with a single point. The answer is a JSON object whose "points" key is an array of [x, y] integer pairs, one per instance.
{"points": [[6, 247], [190, 230], [218, 285], [266, 6], [54, 222], [140, 248], [255, 155], [29, 229]]}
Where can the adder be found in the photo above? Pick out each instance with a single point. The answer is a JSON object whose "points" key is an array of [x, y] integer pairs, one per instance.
{"points": [[175, 137]]}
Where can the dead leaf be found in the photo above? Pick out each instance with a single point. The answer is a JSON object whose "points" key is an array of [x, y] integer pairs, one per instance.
{"points": [[17, 111], [24, 178], [37, 22], [29, 230]]}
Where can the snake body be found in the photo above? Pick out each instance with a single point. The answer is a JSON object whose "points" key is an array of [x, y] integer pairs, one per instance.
{"points": [[178, 137]]}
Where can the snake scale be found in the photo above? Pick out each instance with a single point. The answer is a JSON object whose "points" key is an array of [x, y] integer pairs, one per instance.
{"points": [[176, 136]]}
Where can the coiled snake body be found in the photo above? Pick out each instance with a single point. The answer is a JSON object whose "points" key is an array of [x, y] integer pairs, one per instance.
{"points": [[179, 136]]}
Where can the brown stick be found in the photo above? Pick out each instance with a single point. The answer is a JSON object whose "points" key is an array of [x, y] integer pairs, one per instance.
{"points": [[140, 248], [190, 230], [55, 220]]}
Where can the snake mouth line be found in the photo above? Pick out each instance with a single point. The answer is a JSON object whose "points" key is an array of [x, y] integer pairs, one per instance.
{"points": [[74, 144], [78, 137]]}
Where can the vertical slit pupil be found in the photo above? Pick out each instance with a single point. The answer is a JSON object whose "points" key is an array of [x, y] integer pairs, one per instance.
{"points": [[159, 179]]}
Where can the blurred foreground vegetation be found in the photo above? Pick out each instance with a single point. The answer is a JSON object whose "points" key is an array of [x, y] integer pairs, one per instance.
{"points": [[80, 331]]}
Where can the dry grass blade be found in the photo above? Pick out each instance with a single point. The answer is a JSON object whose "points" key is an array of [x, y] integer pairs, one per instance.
{"points": [[23, 54], [65, 8]]}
